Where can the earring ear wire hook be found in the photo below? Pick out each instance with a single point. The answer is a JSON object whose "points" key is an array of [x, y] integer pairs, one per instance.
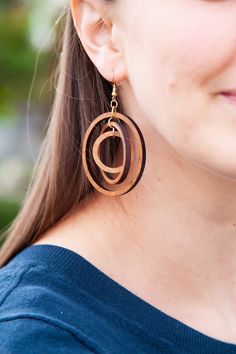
{"points": [[133, 150], [113, 103]]}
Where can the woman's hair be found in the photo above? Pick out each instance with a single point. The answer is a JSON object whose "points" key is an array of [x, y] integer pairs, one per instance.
{"points": [[58, 181]]}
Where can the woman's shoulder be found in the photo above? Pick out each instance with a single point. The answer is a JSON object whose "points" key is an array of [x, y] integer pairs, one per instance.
{"points": [[36, 281], [26, 335], [38, 306], [27, 286], [10, 278]]}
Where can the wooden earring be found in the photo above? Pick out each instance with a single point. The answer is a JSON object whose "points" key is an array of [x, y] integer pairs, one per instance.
{"points": [[133, 148]]}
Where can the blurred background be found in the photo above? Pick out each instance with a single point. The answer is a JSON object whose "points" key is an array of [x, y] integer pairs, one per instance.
{"points": [[30, 41]]}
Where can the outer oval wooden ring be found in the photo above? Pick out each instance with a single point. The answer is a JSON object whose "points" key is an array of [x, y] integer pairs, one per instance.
{"points": [[141, 154]]}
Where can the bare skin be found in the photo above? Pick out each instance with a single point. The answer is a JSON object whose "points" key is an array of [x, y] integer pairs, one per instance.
{"points": [[173, 243]]}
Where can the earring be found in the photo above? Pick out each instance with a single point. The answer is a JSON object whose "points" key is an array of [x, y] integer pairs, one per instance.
{"points": [[133, 148]]}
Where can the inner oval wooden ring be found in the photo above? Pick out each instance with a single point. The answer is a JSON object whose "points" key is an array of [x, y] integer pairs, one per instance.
{"points": [[126, 154], [96, 152], [123, 169]]}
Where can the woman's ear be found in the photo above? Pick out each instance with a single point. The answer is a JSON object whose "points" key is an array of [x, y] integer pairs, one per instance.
{"points": [[98, 37]]}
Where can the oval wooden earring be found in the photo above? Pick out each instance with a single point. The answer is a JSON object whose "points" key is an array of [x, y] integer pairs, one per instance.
{"points": [[133, 147]]}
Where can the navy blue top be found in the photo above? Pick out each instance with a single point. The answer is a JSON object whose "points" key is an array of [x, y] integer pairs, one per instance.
{"points": [[52, 300]]}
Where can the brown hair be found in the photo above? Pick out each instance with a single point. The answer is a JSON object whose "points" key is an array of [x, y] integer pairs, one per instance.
{"points": [[58, 181]]}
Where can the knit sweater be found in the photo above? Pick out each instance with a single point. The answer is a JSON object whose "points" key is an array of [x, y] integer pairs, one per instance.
{"points": [[54, 301]]}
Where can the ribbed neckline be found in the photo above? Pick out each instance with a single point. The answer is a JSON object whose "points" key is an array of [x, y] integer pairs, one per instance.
{"points": [[87, 276]]}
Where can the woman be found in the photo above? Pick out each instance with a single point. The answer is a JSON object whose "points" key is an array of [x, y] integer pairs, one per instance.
{"points": [[151, 270]]}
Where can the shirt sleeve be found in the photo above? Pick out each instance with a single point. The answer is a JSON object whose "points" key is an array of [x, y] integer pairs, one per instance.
{"points": [[33, 336]]}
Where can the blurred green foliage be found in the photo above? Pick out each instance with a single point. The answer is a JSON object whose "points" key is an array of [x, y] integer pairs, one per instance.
{"points": [[17, 57], [8, 210], [19, 64]]}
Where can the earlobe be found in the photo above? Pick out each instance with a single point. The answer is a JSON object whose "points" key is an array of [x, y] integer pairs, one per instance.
{"points": [[94, 29]]}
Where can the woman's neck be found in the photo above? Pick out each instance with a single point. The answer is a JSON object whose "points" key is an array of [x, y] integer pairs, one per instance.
{"points": [[171, 240]]}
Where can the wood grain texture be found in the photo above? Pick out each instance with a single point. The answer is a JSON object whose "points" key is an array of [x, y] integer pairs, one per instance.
{"points": [[134, 154]]}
